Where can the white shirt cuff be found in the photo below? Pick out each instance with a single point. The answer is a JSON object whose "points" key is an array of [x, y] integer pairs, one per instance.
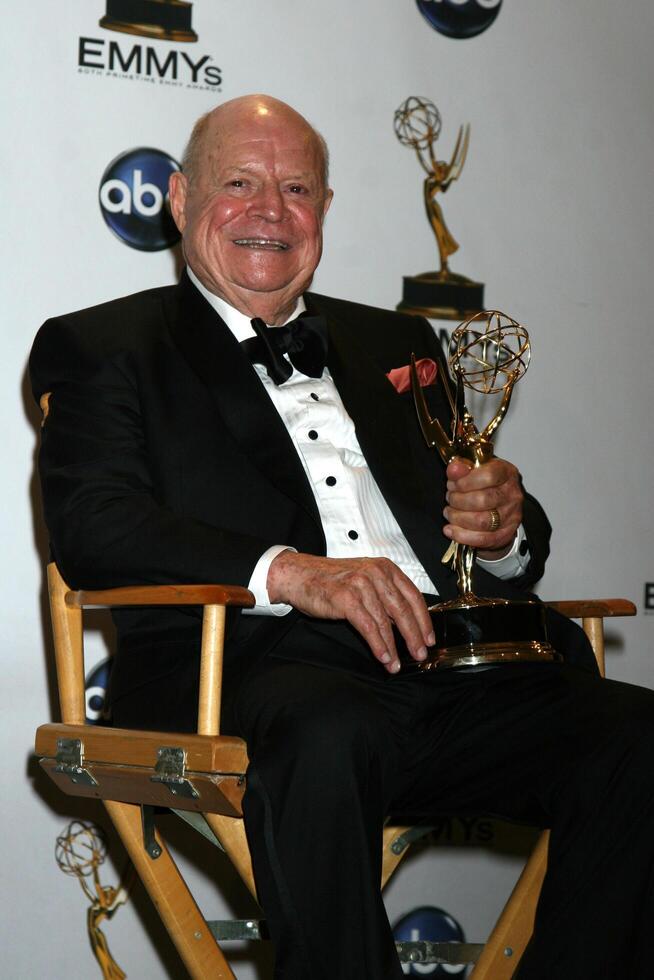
{"points": [[257, 585], [512, 564]]}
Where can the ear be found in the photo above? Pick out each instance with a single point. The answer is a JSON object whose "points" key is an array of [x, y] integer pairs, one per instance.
{"points": [[328, 200], [177, 190]]}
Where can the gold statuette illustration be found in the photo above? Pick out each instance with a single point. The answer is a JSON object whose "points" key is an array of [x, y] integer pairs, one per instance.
{"points": [[489, 353], [442, 294]]}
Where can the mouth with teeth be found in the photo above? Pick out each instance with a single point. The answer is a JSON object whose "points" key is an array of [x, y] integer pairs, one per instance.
{"points": [[266, 244]]}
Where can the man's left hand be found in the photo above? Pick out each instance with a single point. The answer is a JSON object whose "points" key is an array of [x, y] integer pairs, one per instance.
{"points": [[472, 496]]}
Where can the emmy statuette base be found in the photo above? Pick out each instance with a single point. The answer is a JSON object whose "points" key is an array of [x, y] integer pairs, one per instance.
{"points": [[441, 297], [167, 20], [471, 631], [148, 30]]}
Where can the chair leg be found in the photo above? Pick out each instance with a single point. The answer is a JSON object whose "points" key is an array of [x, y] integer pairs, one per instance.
{"points": [[513, 929], [172, 899]]}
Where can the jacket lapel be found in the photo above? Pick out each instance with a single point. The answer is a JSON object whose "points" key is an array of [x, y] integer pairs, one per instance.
{"points": [[215, 355], [370, 400]]}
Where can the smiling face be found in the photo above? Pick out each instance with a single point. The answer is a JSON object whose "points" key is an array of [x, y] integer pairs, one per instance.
{"points": [[251, 213]]}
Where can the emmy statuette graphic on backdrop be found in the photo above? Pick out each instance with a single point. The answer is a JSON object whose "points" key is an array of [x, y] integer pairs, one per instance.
{"points": [[442, 295], [167, 20], [489, 353]]}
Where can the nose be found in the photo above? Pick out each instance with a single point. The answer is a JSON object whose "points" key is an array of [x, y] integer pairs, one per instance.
{"points": [[268, 202]]}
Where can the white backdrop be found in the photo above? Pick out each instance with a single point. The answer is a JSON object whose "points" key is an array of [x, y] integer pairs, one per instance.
{"points": [[555, 213]]}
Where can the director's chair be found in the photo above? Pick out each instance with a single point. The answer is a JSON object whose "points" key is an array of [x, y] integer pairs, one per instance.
{"points": [[202, 778]]}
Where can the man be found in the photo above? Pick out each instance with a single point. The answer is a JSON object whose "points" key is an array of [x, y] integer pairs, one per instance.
{"points": [[168, 456]]}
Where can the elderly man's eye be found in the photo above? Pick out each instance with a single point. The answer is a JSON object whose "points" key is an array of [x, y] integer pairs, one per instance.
{"points": [[297, 189], [237, 182]]}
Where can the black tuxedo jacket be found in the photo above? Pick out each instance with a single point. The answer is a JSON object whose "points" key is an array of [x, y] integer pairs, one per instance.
{"points": [[164, 460]]}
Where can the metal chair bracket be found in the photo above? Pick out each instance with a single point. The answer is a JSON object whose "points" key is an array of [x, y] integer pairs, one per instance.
{"points": [[150, 844], [229, 929], [69, 759], [409, 836], [424, 951], [170, 770]]}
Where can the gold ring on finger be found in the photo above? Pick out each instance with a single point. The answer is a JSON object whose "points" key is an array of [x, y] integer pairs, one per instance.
{"points": [[495, 520]]}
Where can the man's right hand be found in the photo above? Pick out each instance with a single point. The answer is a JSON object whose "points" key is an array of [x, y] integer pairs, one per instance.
{"points": [[372, 594]]}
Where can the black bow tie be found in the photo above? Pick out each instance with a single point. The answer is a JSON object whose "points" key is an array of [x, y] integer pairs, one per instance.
{"points": [[303, 339]]}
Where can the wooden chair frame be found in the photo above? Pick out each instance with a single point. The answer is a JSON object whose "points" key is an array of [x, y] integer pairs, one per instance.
{"points": [[204, 773]]}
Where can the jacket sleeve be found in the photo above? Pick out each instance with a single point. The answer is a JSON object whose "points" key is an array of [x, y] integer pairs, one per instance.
{"points": [[106, 525], [538, 531]]}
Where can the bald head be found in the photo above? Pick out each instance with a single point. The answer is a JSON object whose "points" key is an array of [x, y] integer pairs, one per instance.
{"points": [[257, 111], [250, 204]]}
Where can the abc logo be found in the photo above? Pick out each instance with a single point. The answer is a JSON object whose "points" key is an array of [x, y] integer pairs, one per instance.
{"points": [[460, 18], [134, 199], [96, 693]]}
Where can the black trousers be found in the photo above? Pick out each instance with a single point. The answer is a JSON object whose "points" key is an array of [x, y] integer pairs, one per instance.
{"points": [[334, 752]]}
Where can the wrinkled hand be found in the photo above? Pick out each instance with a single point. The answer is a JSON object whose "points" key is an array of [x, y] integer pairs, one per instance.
{"points": [[372, 594], [471, 496]]}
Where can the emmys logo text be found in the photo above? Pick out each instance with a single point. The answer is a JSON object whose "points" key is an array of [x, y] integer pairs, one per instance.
{"points": [[459, 18], [458, 831], [648, 599], [134, 199], [145, 63]]}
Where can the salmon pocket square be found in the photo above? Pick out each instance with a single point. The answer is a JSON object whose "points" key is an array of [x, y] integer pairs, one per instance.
{"points": [[400, 377]]}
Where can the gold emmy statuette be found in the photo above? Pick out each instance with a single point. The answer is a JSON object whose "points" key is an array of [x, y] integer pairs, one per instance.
{"points": [[489, 353], [168, 20], [443, 295]]}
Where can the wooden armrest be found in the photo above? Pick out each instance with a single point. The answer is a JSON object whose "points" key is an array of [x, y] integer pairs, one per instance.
{"points": [[163, 595], [593, 608], [189, 772], [127, 746], [592, 613]]}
